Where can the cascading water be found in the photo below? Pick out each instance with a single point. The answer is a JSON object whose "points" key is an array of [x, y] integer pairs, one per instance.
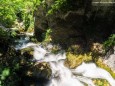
{"points": [[63, 76], [21, 43]]}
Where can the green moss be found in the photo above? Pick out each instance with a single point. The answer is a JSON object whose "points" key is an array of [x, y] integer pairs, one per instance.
{"points": [[47, 35], [27, 50], [75, 60], [101, 82]]}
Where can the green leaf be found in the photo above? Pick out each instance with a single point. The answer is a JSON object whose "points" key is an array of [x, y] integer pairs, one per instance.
{"points": [[5, 72], [3, 77]]}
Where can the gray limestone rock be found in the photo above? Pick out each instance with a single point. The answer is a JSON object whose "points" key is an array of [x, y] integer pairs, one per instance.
{"points": [[110, 61]]}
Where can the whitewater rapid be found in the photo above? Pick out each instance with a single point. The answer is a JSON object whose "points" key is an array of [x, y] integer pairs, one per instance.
{"points": [[63, 76]]}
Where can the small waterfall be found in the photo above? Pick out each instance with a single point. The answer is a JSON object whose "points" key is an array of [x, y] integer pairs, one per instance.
{"points": [[21, 42], [24, 40], [63, 76]]}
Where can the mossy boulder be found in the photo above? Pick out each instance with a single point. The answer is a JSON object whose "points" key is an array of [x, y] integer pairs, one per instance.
{"points": [[27, 53], [74, 60]]}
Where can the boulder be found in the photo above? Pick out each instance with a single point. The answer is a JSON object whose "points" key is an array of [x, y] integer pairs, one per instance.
{"points": [[35, 74], [82, 25], [110, 60]]}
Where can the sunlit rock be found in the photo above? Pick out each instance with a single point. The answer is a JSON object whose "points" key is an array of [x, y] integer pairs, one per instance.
{"points": [[110, 59]]}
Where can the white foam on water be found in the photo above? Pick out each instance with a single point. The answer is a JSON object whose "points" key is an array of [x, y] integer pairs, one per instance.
{"points": [[86, 80], [63, 76], [92, 71], [39, 53], [22, 42], [29, 34]]}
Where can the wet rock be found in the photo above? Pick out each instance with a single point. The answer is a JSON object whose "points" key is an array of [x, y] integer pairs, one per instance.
{"points": [[82, 26], [111, 62], [110, 59], [36, 74], [42, 70], [97, 48], [27, 53]]}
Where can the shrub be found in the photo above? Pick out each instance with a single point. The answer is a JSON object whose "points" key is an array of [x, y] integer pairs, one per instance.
{"points": [[21, 10], [110, 42]]}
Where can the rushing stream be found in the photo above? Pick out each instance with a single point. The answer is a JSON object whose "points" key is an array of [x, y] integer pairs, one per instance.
{"points": [[61, 75]]}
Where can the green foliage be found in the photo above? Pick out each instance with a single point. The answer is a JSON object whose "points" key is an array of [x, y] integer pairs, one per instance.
{"points": [[9, 65], [13, 34], [4, 74], [110, 42], [47, 35], [64, 6], [8, 76], [7, 12], [58, 4], [21, 10]]}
